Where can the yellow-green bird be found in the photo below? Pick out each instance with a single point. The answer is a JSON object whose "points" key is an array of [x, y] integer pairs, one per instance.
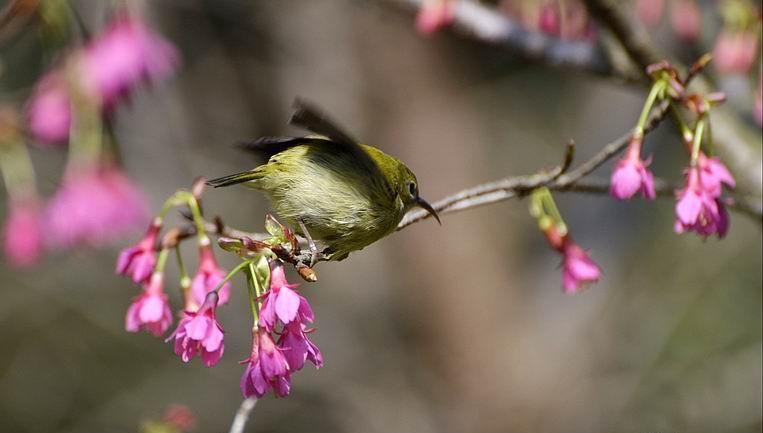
{"points": [[328, 187]]}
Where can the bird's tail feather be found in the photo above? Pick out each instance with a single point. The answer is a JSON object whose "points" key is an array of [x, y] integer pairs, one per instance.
{"points": [[236, 178]]}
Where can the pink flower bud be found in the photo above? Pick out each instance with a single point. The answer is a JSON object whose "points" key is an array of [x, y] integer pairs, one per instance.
{"points": [[266, 368], [434, 15], [208, 277], [686, 19], [631, 175], [22, 232], [137, 262], [49, 111], [579, 269]]}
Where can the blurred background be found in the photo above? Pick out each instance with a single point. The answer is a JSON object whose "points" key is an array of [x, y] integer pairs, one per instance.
{"points": [[458, 328]]}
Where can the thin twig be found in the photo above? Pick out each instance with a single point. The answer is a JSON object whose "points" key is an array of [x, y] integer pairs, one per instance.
{"points": [[242, 415]]}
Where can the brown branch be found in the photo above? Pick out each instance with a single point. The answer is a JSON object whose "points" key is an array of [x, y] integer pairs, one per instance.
{"points": [[489, 25]]}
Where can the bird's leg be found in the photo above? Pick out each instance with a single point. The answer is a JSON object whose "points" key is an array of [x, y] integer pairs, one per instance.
{"points": [[314, 253]]}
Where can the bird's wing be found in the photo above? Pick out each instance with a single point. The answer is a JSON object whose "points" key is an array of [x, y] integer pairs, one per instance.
{"points": [[308, 116], [269, 146]]}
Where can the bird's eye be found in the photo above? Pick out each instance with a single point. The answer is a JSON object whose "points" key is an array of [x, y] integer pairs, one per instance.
{"points": [[412, 189]]}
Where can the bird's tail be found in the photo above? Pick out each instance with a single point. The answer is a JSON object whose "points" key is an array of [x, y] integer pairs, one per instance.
{"points": [[233, 179]]}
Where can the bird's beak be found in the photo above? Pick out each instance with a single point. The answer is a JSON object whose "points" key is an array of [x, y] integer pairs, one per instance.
{"points": [[423, 203]]}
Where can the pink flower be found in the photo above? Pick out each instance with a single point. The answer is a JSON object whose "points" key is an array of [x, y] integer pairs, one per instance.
{"points": [[138, 261], [686, 19], [297, 348], [579, 269], [22, 232], [631, 175], [548, 19], [266, 368], [94, 206], [200, 333], [49, 110], [434, 15], [150, 310], [699, 208], [208, 277], [650, 11], [283, 303], [713, 175], [735, 52], [123, 56]]}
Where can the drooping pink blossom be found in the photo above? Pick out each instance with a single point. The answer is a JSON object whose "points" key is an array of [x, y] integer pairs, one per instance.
{"points": [[686, 18], [579, 270], [267, 368], [150, 310], [124, 55], [94, 205], [48, 112], [735, 51], [23, 232], [283, 303], [699, 208], [208, 277], [297, 348], [434, 15], [137, 262], [199, 333], [650, 11], [632, 175], [714, 174], [549, 21]]}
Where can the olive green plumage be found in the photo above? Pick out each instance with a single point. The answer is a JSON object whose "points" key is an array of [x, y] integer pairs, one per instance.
{"points": [[347, 195]]}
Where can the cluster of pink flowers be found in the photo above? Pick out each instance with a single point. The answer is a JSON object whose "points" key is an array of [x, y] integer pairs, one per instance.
{"points": [[108, 68], [270, 365], [700, 208], [569, 21]]}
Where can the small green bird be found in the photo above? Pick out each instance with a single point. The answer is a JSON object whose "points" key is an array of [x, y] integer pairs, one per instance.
{"points": [[345, 194]]}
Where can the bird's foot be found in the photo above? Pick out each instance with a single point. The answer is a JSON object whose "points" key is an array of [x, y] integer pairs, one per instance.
{"points": [[315, 254]]}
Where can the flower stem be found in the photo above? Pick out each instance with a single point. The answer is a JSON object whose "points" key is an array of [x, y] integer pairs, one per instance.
{"points": [[657, 89], [230, 275], [17, 170], [161, 261], [185, 280], [697, 144], [251, 287], [686, 132]]}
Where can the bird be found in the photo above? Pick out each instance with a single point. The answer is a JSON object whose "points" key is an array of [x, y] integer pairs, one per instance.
{"points": [[330, 188]]}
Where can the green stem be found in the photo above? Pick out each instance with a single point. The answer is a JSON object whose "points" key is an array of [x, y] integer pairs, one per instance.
{"points": [[686, 132], [85, 137], [161, 261], [657, 89], [251, 284], [230, 275], [185, 279], [198, 220], [17, 169], [697, 144]]}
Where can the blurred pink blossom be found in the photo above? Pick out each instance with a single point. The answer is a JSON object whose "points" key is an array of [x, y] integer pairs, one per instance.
{"points": [[208, 277], [94, 205], [434, 15], [650, 11], [200, 333], [150, 310], [632, 175], [23, 233], [686, 19], [283, 303], [49, 110], [579, 269], [124, 55], [548, 18], [138, 261], [735, 52], [267, 368]]}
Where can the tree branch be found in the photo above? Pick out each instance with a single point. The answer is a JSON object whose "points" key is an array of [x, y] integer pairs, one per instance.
{"points": [[489, 25], [242, 415]]}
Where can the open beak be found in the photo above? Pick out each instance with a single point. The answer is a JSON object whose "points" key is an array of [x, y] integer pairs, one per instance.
{"points": [[423, 203]]}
